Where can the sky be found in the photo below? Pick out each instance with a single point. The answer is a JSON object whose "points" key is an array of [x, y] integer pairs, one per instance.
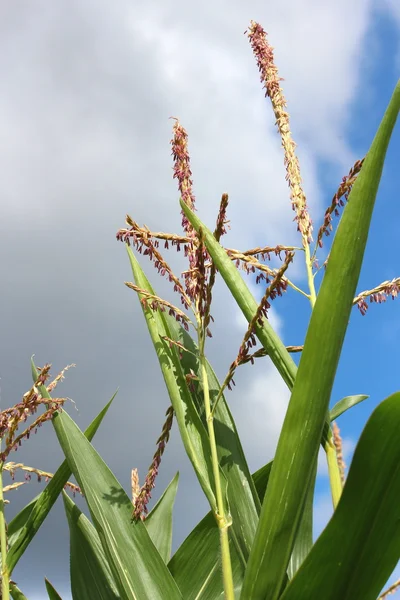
{"points": [[87, 89]]}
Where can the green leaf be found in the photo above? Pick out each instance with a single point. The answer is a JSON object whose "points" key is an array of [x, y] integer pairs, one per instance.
{"points": [[196, 565], [159, 521], [344, 404], [16, 593], [304, 536], [137, 568], [192, 430], [261, 478], [243, 500], [360, 547], [53, 595], [91, 576], [23, 528], [245, 300], [302, 429]]}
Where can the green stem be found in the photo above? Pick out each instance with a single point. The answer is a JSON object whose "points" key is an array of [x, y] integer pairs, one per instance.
{"points": [[297, 289], [221, 518], [311, 285], [334, 473], [5, 576], [335, 480]]}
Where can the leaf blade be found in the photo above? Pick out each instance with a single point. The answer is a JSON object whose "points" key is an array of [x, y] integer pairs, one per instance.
{"points": [[91, 576], [302, 429], [245, 300], [137, 568], [23, 528], [345, 404], [347, 566], [51, 591], [159, 521]]}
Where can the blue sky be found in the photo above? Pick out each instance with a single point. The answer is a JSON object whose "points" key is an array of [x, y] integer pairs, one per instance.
{"points": [[87, 92]]}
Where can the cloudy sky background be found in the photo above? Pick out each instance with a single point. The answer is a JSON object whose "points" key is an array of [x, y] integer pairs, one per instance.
{"points": [[87, 89]]}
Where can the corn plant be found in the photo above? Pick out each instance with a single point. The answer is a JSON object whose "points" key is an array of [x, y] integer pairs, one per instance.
{"points": [[256, 542]]}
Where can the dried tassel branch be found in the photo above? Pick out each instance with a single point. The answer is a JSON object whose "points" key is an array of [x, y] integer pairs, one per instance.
{"points": [[337, 201], [249, 339], [378, 295], [143, 498], [135, 488], [12, 418], [220, 230], [277, 286], [337, 440], [183, 174], [11, 467], [199, 279], [145, 246], [260, 252], [156, 303], [390, 590], [263, 52], [60, 377], [262, 352]]}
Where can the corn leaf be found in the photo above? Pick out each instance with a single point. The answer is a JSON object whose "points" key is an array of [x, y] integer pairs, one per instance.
{"points": [[302, 429], [192, 430], [243, 499], [16, 593], [245, 300], [357, 552], [91, 576], [159, 521], [344, 404], [137, 568], [51, 592], [23, 528], [196, 565]]}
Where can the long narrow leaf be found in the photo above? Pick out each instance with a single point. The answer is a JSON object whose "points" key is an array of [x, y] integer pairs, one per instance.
{"points": [[246, 301], [23, 528], [137, 568], [344, 404], [357, 552], [244, 503], [159, 521], [51, 591], [196, 565], [302, 429], [16, 593], [91, 576], [192, 430]]}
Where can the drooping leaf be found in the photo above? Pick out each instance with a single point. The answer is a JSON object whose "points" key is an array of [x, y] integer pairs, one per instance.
{"points": [[137, 568], [91, 576], [159, 521], [23, 528], [302, 429], [357, 552]]}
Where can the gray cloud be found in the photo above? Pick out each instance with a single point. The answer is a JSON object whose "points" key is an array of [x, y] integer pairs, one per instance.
{"points": [[86, 92]]}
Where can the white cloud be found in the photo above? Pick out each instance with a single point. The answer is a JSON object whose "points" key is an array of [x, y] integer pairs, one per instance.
{"points": [[87, 91], [259, 408]]}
